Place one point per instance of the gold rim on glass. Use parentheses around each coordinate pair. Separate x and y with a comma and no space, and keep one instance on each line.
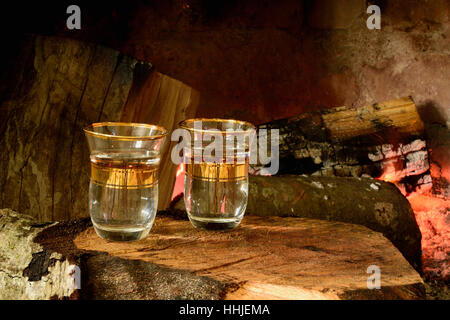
(183,124)
(88,130)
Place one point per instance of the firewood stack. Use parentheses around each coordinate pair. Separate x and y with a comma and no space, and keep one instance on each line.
(382,140)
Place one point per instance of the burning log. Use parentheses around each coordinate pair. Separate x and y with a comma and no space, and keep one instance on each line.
(265,258)
(375,204)
(383,140)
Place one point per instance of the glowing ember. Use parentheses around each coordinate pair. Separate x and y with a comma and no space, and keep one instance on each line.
(433,218)
(388,177)
(390,173)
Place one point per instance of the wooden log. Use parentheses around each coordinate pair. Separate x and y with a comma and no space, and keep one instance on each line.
(400,115)
(53,88)
(157,98)
(28,270)
(375,204)
(381,140)
(264,258)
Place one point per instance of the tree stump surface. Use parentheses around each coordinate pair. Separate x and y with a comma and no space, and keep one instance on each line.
(264,258)
(375,204)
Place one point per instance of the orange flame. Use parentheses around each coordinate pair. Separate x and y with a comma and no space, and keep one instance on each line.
(389,174)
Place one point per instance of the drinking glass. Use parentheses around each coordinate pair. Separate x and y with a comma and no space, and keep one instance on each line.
(123,190)
(216,181)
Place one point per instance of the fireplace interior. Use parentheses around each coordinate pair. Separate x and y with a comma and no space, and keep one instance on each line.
(363,114)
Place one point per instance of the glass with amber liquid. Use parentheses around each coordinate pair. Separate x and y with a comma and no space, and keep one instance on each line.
(123,191)
(216,181)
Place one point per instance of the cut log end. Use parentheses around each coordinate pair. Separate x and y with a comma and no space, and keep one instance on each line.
(264,258)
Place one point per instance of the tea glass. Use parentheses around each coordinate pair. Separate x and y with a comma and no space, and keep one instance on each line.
(216,179)
(123,189)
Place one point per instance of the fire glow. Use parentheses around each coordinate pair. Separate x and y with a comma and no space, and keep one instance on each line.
(433,218)
(389,174)
(179,181)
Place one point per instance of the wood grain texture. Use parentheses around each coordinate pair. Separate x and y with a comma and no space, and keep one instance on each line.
(401,114)
(56,87)
(160,99)
(270,258)
(377,205)
(65,85)
(264,258)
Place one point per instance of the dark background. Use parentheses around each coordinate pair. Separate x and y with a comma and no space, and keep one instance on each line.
(265,60)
